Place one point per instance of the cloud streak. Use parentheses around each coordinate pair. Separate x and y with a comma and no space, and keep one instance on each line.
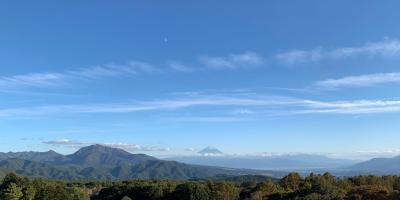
(178,66)
(49,79)
(125,146)
(388,48)
(274,105)
(33,79)
(232,61)
(377,153)
(360,81)
(352,107)
(166,104)
(385,48)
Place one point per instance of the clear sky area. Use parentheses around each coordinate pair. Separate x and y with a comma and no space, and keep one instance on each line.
(172,77)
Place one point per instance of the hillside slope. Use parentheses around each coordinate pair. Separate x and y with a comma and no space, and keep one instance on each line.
(379,165)
(101,162)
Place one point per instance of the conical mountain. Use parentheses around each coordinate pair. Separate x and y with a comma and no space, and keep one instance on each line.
(95,155)
(210,151)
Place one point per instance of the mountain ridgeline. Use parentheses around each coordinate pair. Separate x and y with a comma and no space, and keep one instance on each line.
(106,163)
(101,155)
(379,166)
(87,156)
(281,162)
(97,162)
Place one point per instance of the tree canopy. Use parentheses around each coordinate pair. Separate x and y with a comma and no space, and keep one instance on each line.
(293,186)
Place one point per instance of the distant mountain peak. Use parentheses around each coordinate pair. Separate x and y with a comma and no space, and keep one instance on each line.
(52,152)
(104,155)
(210,151)
(98,148)
(382,165)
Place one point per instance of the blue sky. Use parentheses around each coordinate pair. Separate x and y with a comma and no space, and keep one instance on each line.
(167,78)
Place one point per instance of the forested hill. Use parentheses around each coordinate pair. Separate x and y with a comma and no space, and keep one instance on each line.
(101,162)
(293,186)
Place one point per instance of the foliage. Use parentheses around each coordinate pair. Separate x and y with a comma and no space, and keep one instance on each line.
(224,191)
(292,186)
(11,192)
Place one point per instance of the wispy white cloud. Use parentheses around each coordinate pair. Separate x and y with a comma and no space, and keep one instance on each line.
(360,81)
(74,108)
(180,67)
(232,61)
(190,149)
(355,155)
(47,79)
(172,104)
(300,56)
(366,154)
(125,146)
(377,153)
(243,111)
(385,48)
(207,119)
(100,72)
(351,107)
(274,105)
(350,155)
(34,79)
(64,142)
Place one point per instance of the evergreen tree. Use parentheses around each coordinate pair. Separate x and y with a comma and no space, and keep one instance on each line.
(192,191)
(224,191)
(12,192)
(291,182)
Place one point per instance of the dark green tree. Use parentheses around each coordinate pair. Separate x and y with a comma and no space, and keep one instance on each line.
(224,191)
(192,191)
(11,192)
(291,182)
(265,189)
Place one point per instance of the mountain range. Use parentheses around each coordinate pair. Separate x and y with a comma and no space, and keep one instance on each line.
(106,163)
(279,162)
(101,162)
(303,163)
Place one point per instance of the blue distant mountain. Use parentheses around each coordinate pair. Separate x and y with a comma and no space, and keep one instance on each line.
(378,166)
(210,151)
(280,162)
